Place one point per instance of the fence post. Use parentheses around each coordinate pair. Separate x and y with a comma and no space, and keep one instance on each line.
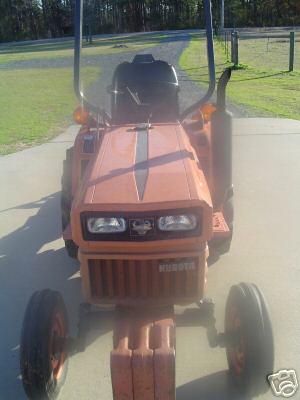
(292,51)
(227,39)
(235,48)
(232,46)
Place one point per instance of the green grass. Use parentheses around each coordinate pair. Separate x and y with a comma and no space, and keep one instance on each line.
(262,86)
(65,49)
(265,54)
(35,104)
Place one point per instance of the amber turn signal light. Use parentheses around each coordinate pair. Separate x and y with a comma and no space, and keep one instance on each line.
(207,110)
(81,115)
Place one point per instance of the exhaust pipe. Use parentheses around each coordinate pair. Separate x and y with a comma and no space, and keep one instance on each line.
(221,130)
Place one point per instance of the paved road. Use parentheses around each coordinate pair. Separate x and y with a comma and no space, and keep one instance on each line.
(265,250)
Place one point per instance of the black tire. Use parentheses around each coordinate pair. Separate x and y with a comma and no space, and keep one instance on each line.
(71,248)
(66,201)
(250,355)
(43,374)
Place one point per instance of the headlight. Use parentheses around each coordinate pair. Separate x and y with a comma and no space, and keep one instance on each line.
(106,225)
(177,223)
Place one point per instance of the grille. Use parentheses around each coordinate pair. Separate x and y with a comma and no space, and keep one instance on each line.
(142,279)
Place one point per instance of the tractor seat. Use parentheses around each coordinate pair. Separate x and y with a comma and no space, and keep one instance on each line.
(155,84)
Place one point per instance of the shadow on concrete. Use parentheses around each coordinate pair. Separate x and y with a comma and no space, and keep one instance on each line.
(32,257)
(216,386)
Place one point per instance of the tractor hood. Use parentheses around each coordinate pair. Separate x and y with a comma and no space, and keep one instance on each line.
(141,168)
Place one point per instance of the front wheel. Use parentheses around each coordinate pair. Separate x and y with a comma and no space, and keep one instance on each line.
(43,358)
(250,350)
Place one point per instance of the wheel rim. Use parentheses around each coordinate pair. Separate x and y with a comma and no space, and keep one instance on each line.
(57,340)
(236,350)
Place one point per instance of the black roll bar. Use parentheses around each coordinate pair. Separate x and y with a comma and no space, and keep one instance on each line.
(77,57)
(211,62)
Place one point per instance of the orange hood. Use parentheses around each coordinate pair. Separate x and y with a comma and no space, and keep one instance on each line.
(137,170)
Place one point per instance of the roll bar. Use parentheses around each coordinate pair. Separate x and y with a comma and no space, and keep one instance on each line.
(102,112)
(211,62)
(77,57)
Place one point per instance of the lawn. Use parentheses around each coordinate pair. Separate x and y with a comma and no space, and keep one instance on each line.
(65,49)
(268,53)
(263,86)
(36,103)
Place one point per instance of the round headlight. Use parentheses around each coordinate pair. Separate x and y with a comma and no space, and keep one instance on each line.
(177,223)
(106,225)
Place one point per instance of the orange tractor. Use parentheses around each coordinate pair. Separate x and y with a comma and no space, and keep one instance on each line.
(146,195)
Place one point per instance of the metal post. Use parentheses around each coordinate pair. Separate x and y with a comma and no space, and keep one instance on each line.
(211,63)
(292,51)
(232,46)
(89,21)
(222,16)
(236,48)
(227,44)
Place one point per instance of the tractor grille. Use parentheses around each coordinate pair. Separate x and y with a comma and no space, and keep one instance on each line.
(143,279)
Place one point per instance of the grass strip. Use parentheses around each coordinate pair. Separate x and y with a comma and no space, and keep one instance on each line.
(36,104)
(263,90)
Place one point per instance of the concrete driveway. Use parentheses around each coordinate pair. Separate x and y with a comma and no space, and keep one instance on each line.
(265,250)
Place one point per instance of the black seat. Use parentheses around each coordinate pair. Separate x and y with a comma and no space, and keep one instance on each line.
(145,88)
